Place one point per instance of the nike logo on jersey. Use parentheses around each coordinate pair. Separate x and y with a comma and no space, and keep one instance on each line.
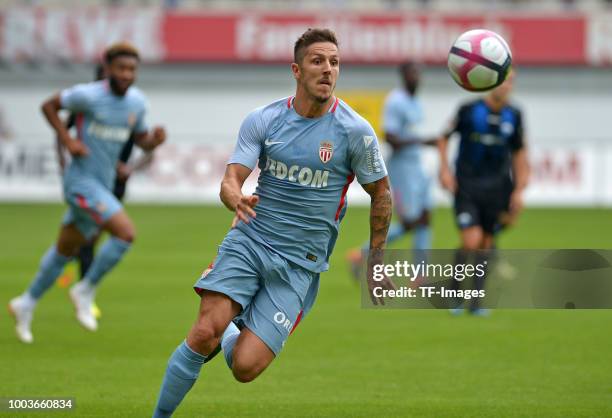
(270,142)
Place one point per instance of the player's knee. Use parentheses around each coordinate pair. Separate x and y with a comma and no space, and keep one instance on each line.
(245,371)
(243,376)
(246,365)
(488,242)
(121,226)
(127,234)
(67,249)
(407,225)
(425,218)
(204,337)
(471,244)
(130,237)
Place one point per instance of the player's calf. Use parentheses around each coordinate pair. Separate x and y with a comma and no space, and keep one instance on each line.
(51,266)
(216,313)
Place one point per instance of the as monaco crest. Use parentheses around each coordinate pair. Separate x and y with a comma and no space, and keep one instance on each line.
(326,150)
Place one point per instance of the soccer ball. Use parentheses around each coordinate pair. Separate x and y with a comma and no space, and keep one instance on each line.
(479,60)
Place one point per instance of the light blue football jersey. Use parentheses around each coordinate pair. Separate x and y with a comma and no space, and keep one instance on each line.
(306,166)
(401,116)
(104,122)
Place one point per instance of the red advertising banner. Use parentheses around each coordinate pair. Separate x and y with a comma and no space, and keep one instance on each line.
(34,34)
(372,39)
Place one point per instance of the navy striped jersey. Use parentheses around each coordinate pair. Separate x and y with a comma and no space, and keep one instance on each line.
(487,140)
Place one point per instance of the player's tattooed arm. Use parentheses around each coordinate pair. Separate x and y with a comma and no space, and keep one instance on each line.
(380,218)
(231,193)
(380,211)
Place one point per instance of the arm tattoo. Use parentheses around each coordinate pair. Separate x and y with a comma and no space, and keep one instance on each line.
(380,212)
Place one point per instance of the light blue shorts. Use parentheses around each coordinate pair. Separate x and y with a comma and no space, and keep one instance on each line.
(90,205)
(411,189)
(274,292)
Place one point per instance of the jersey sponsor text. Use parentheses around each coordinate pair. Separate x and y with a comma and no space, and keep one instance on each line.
(305,176)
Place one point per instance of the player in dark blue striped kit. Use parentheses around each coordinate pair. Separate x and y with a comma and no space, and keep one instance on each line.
(491,169)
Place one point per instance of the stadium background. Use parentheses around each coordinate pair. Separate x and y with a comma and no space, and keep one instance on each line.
(206,64)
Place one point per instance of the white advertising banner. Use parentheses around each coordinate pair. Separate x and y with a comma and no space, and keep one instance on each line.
(191,172)
(567,174)
(570,155)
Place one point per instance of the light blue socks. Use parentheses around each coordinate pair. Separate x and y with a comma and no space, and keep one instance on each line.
(183,370)
(51,266)
(109,255)
(421,243)
(396,231)
(228,341)
(422,237)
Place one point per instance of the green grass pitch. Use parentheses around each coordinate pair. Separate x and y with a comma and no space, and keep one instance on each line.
(342,361)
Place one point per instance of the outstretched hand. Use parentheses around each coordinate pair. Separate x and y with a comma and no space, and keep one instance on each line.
(77,148)
(376,257)
(244,208)
(448,181)
(158,136)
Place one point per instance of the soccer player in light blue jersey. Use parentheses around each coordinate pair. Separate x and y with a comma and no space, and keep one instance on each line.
(410,184)
(309,147)
(108,111)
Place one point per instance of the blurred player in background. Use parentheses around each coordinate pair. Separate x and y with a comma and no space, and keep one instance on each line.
(410,184)
(266,275)
(124,170)
(491,171)
(108,111)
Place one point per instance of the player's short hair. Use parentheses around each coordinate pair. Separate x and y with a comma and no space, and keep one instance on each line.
(407,65)
(311,36)
(120,49)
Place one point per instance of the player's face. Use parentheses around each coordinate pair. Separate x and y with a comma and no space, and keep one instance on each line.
(318,71)
(502,93)
(411,79)
(122,73)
